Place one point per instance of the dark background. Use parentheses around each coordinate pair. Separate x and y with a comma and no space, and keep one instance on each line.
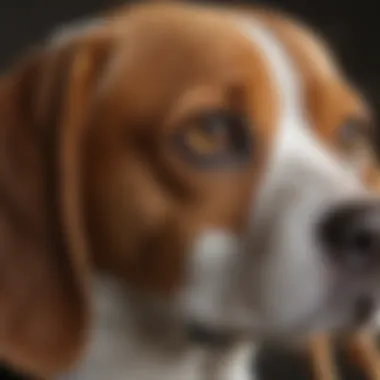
(351,27)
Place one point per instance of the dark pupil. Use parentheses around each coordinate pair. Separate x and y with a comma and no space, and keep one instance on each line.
(232,126)
(215,125)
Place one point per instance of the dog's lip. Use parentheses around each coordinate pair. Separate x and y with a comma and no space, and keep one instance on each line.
(206,335)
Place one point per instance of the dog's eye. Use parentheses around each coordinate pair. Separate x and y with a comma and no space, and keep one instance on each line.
(351,135)
(215,138)
(209,137)
(354,140)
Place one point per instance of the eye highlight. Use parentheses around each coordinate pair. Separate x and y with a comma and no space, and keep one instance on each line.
(215,138)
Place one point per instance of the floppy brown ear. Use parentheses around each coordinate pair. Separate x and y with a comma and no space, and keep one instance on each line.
(43,260)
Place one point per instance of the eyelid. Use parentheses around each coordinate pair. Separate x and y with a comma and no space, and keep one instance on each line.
(204,113)
(193,103)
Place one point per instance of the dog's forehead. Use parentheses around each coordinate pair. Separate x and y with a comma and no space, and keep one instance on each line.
(176,37)
(186,45)
(172,46)
(157,61)
(199,45)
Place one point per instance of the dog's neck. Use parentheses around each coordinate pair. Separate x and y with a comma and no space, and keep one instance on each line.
(132,338)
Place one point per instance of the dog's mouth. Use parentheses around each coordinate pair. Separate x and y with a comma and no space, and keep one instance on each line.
(362,312)
(211,337)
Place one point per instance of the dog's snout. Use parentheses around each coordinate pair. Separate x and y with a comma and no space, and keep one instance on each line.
(351,235)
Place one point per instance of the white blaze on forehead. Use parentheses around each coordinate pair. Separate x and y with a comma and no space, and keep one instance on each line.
(295,144)
(281,70)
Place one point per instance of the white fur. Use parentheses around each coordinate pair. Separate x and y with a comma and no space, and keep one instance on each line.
(303,181)
(118,350)
(277,279)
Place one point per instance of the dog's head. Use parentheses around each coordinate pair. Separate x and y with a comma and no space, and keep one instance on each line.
(212,157)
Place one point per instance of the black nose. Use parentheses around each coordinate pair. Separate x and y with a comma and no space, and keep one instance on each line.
(351,235)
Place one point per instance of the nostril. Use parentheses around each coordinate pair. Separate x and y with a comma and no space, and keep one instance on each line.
(362,240)
(351,234)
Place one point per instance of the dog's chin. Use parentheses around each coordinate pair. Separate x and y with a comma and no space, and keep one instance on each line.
(342,321)
(356,315)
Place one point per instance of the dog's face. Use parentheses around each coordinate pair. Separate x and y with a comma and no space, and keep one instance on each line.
(219,161)
(215,164)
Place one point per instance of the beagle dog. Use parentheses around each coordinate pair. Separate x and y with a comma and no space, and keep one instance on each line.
(177,182)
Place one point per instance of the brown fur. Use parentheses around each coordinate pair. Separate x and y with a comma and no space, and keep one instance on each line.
(41,294)
(88,179)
